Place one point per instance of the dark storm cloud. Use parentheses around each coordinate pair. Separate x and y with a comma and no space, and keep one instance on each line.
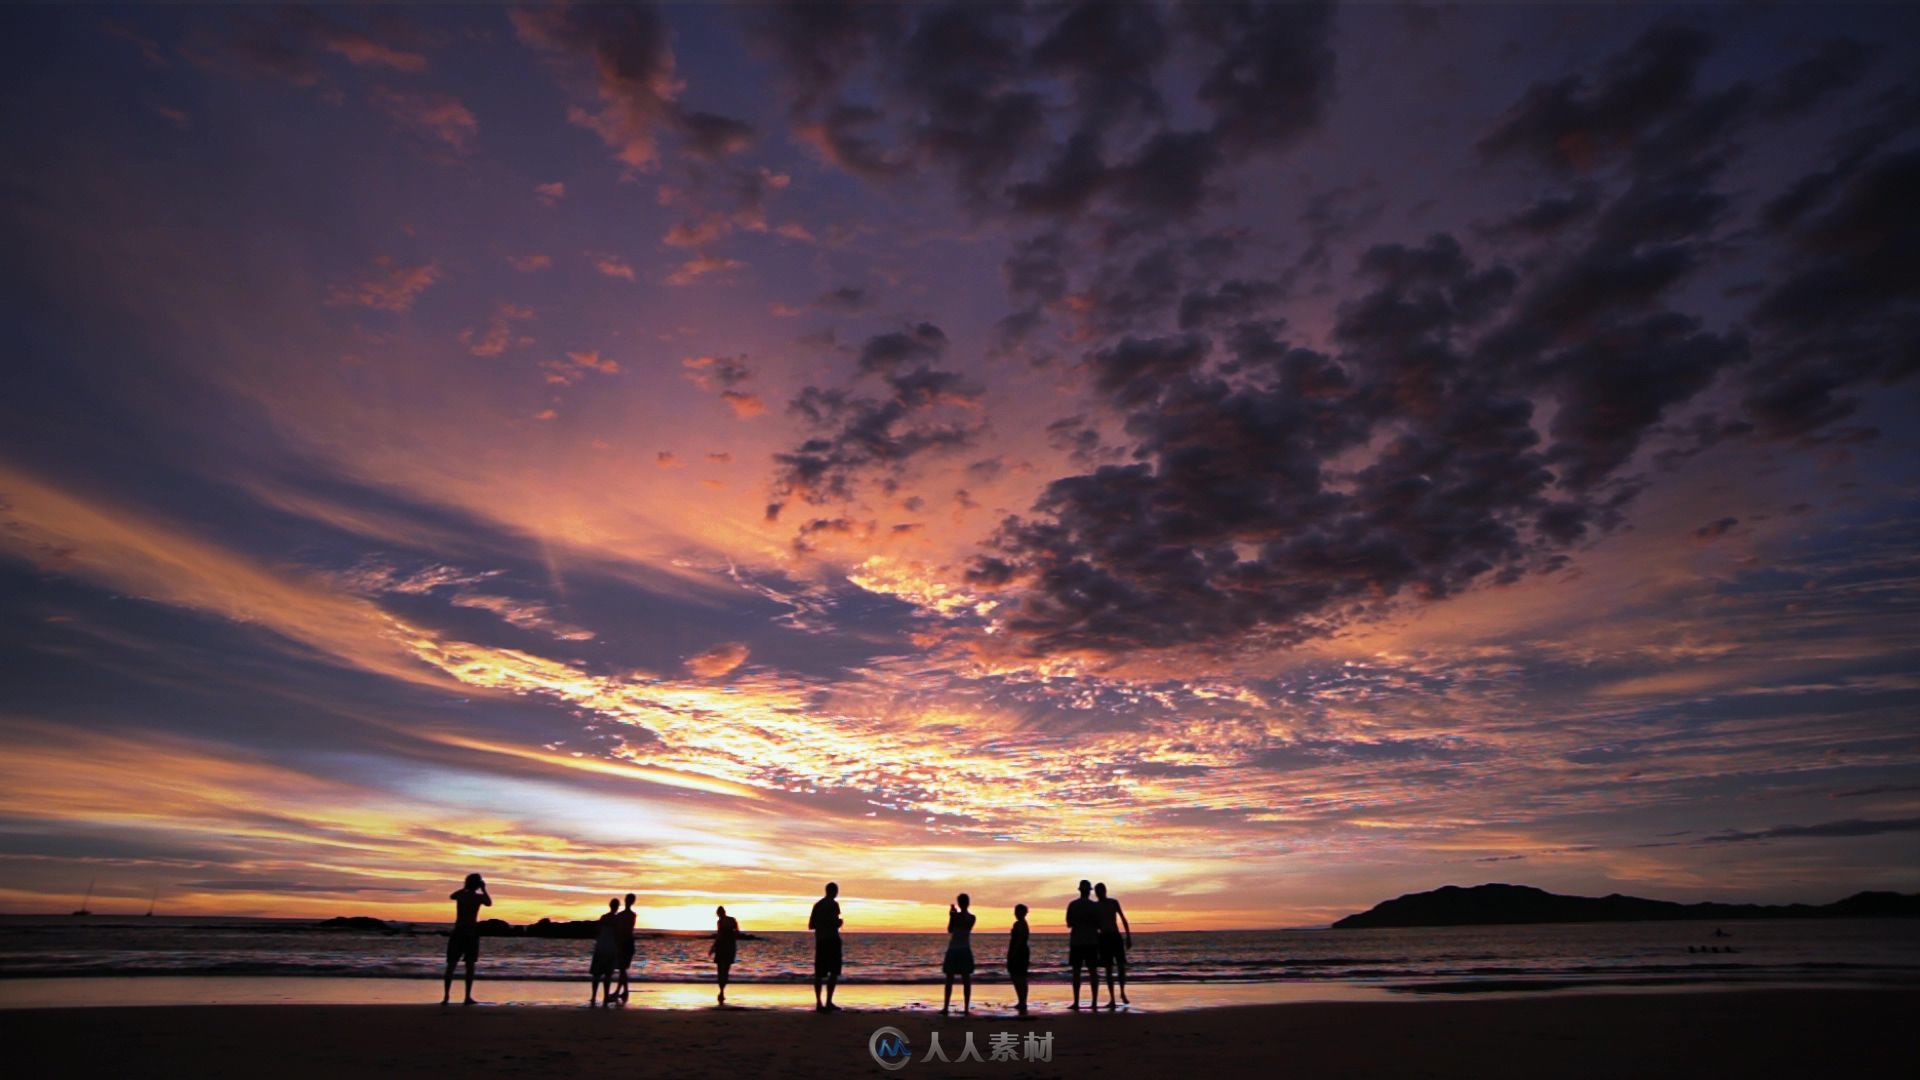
(1133,371)
(1073,437)
(868,437)
(1233,301)
(1575,122)
(967,90)
(1615,387)
(620,60)
(1233,523)
(1552,213)
(1471,419)
(1831,830)
(710,135)
(1110,54)
(819,45)
(1715,529)
(1838,65)
(918,344)
(965,66)
(1272,77)
(1846,312)
(1127,295)
(1036,275)
(847,299)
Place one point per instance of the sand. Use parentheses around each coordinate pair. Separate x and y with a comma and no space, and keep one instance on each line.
(1724,1033)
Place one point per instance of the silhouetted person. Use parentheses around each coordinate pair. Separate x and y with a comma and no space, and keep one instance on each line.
(1018,957)
(825,923)
(959,961)
(1083,942)
(1113,947)
(726,935)
(464,942)
(606,954)
(625,921)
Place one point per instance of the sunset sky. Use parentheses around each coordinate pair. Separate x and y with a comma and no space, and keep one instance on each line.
(1267,459)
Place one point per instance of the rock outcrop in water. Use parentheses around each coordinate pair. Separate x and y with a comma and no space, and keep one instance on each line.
(365,923)
(1493,905)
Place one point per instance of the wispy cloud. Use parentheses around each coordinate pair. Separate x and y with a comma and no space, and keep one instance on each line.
(387,286)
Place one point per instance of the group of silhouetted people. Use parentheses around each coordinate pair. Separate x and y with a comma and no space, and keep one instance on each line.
(1098,938)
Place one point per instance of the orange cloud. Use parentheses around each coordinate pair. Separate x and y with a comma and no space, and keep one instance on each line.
(139,555)
(744,406)
(387,287)
(613,266)
(700,266)
(497,335)
(360,50)
(593,361)
(623,58)
(720,660)
(439,118)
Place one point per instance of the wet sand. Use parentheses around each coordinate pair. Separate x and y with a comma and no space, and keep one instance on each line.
(1760,1032)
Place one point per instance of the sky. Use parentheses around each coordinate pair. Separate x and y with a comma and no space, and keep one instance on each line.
(1266,458)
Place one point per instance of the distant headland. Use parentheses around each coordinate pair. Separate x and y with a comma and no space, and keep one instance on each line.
(1494,905)
(565,929)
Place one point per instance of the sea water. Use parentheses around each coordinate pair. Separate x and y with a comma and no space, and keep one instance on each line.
(1202,967)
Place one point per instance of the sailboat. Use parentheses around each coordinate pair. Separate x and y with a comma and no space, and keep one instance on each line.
(152,900)
(83,904)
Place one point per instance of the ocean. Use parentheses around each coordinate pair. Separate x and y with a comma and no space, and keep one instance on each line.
(1443,960)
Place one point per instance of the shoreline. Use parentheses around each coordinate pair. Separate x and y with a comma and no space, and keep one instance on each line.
(1049,998)
(1747,1031)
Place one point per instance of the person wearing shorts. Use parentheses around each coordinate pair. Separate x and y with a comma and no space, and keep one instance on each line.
(463,943)
(825,922)
(1083,942)
(1113,946)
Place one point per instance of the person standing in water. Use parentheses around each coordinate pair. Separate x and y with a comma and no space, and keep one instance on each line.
(726,933)
(464,942)
(1018,956)
(825,922)
(606,955)
(959,961)
(1113,948)
(1083,942)
(624,922)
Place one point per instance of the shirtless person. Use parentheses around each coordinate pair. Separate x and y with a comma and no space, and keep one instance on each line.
(464,942)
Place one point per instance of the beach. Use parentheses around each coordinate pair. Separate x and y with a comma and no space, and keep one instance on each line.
(1715,1033)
